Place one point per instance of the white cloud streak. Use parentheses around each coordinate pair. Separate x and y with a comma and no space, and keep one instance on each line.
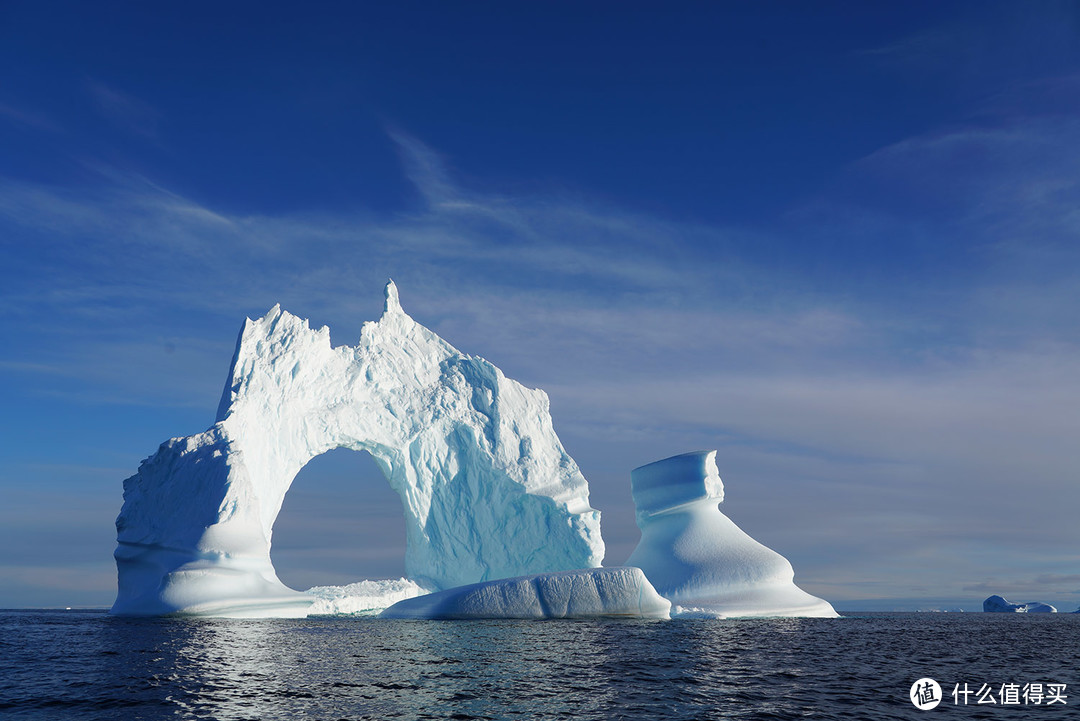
(28,118)
(903,417)
(123,109)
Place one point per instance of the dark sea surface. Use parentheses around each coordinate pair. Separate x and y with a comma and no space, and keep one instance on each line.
(89,665)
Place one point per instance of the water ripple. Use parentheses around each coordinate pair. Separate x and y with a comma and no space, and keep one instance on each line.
(93,666)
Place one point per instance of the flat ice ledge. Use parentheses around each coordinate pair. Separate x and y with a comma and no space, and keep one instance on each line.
(620,591)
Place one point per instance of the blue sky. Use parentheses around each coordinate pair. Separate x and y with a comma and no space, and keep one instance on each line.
(837,242)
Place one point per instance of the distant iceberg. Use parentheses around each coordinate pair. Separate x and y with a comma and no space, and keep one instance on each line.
(697,558)
(589,593)
(997,604)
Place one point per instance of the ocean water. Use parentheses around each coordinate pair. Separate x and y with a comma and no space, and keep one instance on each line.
(88,665)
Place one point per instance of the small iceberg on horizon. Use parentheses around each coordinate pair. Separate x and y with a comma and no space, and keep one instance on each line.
(997,604)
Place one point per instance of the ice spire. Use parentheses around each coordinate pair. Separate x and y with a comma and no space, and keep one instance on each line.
(392,304)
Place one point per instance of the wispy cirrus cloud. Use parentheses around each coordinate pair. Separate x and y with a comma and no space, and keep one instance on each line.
(974,55)
(123,109)
(1054,583)
(28,117)
(863,387)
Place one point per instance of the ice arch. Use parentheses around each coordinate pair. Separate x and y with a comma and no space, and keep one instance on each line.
(487,488)
(340,522)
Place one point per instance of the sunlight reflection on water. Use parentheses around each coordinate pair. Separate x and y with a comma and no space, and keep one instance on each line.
(93,666)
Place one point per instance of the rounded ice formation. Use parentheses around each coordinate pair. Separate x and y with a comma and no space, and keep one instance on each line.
(997,604)
(697,558)
(588,593)
(487,489)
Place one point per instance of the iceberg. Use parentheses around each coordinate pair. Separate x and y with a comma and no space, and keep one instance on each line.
(487,489)
(697,558)
(589,593)
(497,514)
(997,604)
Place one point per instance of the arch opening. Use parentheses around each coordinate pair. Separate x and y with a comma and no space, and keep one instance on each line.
(340,522)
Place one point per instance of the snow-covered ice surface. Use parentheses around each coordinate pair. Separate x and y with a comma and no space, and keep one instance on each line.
(697,558)
(487,488)
(588,593)
(997,604)
(363,598)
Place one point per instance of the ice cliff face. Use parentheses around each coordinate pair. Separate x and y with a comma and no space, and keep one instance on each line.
(697,558)
(487,489)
